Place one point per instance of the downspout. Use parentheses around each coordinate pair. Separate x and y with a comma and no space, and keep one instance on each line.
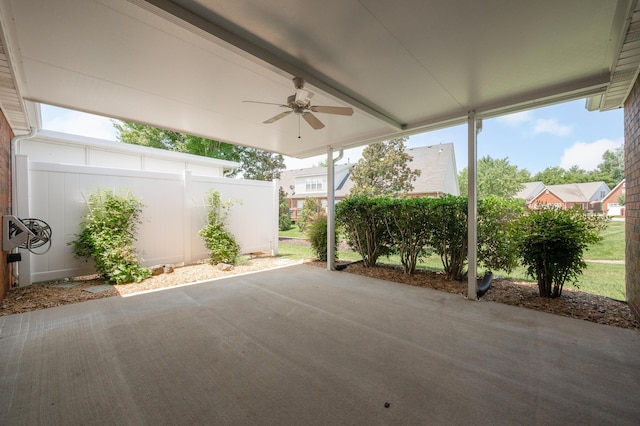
(331,204)
(14,189)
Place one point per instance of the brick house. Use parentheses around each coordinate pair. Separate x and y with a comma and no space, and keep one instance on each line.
(438,176)
(588,196)
(611,202)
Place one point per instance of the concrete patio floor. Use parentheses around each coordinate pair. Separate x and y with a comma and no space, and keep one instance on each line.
(305,346)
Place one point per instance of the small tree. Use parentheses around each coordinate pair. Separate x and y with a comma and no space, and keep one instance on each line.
(218,240)
(108,236)
(310,210)
(284,218)
(552,243)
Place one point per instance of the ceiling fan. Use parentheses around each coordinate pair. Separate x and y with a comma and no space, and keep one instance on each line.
(300,104)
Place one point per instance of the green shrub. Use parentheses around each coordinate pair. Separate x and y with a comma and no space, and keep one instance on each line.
(221,243)
(408,222)
(362,220)
(284,218)
(497,245)
(552,242)
(317,234)
(449,236)
(310,210)
(108,236)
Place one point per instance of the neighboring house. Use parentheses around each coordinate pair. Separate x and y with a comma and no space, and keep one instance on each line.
(587,196)
(529,192)
(438,171)
(438,176)
(312,182)
(611,202)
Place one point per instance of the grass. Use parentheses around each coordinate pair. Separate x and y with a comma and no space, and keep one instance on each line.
(612,245)
(603,279)
(293,232)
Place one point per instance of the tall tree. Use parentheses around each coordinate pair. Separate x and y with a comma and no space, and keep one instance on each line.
(261,165)
(551,176)
(384,170)
(254,163)
(496,177)
(611,170)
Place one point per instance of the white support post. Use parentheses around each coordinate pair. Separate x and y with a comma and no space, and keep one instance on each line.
(187,211)
(331,203)
(276,215)
(472,212)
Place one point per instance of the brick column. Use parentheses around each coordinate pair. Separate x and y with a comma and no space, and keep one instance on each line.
(5,196)
(632,198)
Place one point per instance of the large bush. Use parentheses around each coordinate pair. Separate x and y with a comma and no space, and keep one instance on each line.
(449,233)
(362,220)
(552,243)
(409,226)
(108,236)
(497,245)
(218,240)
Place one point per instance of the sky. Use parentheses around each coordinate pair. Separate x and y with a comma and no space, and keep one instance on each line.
(561,135)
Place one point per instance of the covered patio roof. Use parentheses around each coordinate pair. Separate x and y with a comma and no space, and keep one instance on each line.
(404,67)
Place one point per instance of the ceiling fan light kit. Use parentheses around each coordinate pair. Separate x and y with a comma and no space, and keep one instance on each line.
(300,104)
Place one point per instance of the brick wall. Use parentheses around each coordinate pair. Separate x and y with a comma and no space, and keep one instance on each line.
(632,202)
(5,195)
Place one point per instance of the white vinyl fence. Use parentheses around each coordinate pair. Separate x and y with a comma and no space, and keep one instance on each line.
(175,211)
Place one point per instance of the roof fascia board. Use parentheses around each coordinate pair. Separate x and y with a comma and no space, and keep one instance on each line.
(272,56)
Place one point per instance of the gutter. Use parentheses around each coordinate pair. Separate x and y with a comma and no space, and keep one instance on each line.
(14,189)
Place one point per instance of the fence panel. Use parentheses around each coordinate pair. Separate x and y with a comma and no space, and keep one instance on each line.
(174,213)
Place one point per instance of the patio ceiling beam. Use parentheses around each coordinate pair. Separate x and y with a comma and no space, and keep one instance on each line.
(267,53)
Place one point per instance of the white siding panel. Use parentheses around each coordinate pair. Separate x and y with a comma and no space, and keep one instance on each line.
(100,158)
(53,152)
(201,170)
(161,165)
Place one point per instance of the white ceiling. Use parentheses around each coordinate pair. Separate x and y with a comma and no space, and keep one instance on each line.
(404,66)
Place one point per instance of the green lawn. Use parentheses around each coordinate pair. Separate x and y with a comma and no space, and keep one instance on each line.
(293,232)
(612,245)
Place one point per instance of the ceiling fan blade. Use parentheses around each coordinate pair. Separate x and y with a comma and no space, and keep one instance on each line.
(312,120)
(277,117)
(333,110)
(264,103)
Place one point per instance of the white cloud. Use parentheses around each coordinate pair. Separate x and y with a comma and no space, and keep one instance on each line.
(77,123)
(587,156)
(551,126)
(516,118)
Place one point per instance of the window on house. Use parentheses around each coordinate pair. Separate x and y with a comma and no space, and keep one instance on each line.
(313,184)
(602,194)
